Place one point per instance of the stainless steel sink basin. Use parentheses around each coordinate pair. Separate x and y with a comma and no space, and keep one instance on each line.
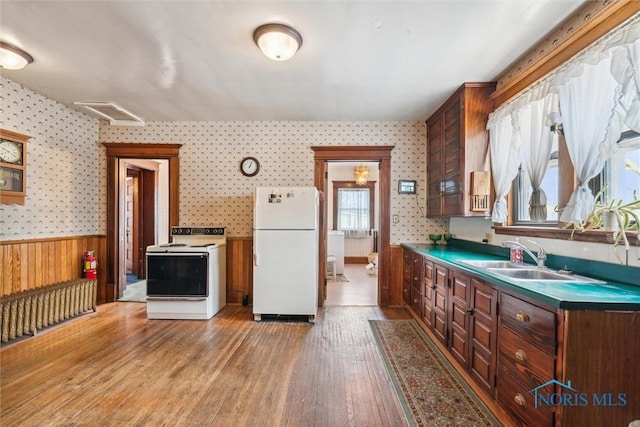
(494,264)
(540,275)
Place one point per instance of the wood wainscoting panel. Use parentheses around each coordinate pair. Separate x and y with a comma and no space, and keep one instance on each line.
(34,263)
(239,269)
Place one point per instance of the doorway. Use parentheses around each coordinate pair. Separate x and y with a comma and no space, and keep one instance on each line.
(352,222)
(157,169)
(382,155)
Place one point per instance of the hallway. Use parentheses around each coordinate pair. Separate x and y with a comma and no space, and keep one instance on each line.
(356,287)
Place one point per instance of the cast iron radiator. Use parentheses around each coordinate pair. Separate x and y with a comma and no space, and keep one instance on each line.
(24,313)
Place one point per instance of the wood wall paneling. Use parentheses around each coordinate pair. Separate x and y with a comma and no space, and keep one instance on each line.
(239,269)
(34,263)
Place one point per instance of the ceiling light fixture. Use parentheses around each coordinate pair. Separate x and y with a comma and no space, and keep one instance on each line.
(361,174)
(277,41)
(12,57)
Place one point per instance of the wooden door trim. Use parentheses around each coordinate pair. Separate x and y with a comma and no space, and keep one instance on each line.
(381,154)
(115,152)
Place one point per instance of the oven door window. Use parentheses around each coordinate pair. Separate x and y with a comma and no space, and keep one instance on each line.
(177,275)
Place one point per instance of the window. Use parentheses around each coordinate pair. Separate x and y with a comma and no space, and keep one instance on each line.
(618,178)
(353,205)
(522,193)
(618,175)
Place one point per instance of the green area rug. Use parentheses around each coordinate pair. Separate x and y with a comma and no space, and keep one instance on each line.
(431,392)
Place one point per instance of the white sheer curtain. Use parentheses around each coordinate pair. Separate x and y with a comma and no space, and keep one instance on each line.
(588,96)
(536,142)
(625,67)
(353,212)
(505,160)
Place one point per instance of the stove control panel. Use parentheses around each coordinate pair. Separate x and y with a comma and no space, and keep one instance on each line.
(197,231)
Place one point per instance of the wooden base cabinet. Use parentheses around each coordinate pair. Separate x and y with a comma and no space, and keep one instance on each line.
(527,353)
(461,311)
(483,334)
(458,314)
(543,366)
(412,280)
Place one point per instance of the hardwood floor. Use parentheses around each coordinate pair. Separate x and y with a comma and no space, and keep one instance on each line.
(361,288)
(116,367)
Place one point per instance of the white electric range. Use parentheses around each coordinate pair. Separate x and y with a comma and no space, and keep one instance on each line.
(186,279)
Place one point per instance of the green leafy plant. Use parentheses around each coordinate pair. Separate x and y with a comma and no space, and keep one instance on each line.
(626,216)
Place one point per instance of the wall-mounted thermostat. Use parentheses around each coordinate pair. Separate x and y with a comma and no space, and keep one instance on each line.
(406,187)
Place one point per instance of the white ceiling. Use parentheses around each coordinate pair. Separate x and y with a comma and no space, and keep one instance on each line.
(196,60)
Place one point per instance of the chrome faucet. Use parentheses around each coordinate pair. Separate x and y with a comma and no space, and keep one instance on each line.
(539,259)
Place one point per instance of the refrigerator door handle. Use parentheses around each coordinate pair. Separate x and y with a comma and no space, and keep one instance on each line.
(256,260)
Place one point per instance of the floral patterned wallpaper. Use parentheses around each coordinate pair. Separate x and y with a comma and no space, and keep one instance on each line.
(65,186)
(66,179)
(213,191)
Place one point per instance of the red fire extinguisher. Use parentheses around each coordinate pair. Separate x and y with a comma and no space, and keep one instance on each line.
(89,265)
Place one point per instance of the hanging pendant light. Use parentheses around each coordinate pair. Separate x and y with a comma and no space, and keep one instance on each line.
(361,174)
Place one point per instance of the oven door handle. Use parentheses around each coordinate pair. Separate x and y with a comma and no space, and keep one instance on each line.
(192,254)
(176,298)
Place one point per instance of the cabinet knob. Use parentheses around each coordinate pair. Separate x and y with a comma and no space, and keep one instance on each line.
(469,311)
(433,286)
(520,400)
(521,356)
(521,316)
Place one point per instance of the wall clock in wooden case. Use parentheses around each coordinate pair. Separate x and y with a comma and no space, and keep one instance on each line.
(13,167)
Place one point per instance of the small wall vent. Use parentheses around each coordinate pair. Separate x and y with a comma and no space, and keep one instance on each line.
(111,111)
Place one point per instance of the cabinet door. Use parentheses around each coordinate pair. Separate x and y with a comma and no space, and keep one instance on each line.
(458,305)
(441,278)
(483,330)
(434,165)
(451,172)
(428,291)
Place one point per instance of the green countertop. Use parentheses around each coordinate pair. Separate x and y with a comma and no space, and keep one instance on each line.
(567,295)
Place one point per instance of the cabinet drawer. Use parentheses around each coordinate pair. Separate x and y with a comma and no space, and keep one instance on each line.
(416,300)
(406,271)
(531,322)
(520,403)
(523,360)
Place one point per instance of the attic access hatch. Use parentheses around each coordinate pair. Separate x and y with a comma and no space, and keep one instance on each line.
(111,111)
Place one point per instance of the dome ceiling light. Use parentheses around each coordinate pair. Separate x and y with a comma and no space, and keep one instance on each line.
(277,41)
(12,57)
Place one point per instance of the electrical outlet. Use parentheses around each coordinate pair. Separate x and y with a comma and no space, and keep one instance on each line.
(395,218)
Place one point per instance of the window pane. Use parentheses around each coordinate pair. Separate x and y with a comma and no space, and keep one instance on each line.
(621,179)
(353,209)
(549,184)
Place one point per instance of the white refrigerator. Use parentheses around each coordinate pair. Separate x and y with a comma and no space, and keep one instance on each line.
(285,251)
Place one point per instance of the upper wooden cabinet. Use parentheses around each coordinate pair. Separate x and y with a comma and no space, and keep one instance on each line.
(458,144)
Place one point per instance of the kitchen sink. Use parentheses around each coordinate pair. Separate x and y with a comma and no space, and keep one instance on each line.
(494,264)
(540,275)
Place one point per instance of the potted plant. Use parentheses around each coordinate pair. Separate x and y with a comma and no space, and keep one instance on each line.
(614,215)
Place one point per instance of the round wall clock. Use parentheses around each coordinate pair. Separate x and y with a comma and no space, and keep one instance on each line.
(249,166)
(10,152)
